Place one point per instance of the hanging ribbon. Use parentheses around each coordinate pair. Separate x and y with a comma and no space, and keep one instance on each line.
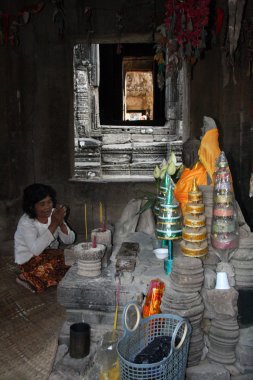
(6,27)
(219,14)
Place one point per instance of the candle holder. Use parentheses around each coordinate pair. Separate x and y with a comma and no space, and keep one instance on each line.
(105,238)
(89,259)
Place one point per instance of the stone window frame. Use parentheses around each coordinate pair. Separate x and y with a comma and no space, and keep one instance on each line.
(106,153)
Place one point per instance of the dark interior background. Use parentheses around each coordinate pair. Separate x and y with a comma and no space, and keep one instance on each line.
(36,106)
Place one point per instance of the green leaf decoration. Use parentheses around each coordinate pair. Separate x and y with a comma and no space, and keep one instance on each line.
(149,204)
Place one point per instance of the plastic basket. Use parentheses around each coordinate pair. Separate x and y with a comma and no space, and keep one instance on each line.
(145,330)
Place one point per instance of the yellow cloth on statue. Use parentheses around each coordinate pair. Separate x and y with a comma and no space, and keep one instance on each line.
(209,151)
(184,184)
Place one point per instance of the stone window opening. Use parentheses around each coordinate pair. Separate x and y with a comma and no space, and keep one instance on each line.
(134,63)
(119,137)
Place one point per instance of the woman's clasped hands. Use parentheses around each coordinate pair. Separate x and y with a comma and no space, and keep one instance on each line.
(58,215)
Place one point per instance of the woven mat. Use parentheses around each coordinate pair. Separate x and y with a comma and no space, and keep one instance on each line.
(30,325)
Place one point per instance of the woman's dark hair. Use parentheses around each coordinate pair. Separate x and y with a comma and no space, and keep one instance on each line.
(35,193)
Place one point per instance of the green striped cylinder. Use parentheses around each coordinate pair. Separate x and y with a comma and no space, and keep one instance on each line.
(159,200)
(169,222)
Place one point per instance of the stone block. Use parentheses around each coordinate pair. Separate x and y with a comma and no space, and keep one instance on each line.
(156,147)
(79,292)
(112,138)
(107,256)
(244,355)
(160,138)
(116,158)
(244,349)
(244,253)
(246,337)
(207,371)
(120,170)
(142,138)
(88,172)
(93,318)
(87,142)
(128,250)
(211,259)
(220,304)
(246,376)
(117,148)
(245,369)
(234,371)
(209,278)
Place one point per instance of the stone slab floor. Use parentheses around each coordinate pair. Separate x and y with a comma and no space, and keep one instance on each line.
(31,325)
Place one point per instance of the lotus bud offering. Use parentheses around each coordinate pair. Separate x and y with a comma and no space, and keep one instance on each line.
(225,228)
(156,172)
(171,166)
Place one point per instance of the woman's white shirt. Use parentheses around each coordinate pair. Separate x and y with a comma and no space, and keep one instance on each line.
(32,237)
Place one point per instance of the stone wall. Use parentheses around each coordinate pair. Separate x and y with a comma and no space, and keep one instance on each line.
(225,93)
(36,107)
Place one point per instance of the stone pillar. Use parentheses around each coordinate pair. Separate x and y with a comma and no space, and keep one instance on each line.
(182,297)
(223,329)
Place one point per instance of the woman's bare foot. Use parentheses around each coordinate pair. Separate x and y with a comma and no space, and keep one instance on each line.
(21,281)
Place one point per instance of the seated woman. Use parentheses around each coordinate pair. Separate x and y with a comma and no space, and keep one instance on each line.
(199,159)
(37,239)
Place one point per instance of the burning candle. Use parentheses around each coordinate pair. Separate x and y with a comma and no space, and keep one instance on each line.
(85,222)
(100,212)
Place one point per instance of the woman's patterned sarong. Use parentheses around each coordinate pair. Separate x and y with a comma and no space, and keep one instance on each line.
(45,270)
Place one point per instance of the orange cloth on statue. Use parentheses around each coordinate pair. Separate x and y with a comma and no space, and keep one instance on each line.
(184,184)
(209,151)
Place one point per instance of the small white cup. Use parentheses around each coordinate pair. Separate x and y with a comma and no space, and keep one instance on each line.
(222,281)
(161,253)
